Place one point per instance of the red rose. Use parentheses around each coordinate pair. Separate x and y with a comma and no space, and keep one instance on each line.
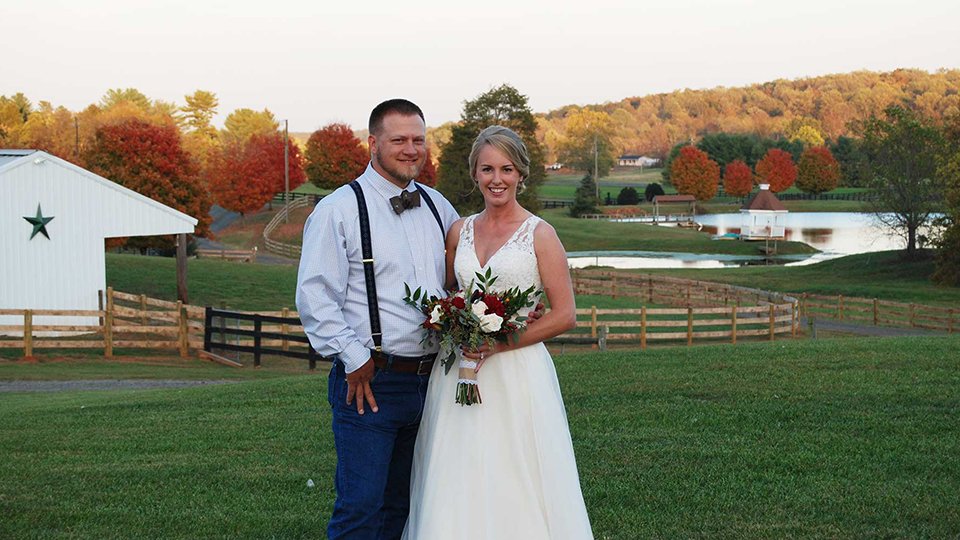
(494,305)
(459,303)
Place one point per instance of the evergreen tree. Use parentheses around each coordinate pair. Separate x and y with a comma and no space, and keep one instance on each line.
(585,200)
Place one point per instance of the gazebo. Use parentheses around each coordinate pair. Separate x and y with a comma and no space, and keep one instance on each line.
(54,217)
(764,217)
(689,201)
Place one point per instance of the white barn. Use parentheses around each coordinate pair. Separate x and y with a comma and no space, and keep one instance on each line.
(764,217)
(54,217)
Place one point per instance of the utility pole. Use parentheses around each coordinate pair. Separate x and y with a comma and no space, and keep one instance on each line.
(286,172)
(596,179)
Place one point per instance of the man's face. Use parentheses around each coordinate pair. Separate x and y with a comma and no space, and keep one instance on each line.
(399,150)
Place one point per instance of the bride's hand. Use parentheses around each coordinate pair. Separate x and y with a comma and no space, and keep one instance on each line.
(482,353)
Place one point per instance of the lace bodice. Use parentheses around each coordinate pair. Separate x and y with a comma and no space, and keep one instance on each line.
(514,264)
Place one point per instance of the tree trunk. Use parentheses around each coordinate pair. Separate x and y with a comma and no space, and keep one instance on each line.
(911,241)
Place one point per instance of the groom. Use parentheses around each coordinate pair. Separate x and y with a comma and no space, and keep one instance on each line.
(350,304)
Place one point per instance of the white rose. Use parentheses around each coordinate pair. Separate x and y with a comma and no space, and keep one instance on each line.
(490,323)
(435,314)
(479,308)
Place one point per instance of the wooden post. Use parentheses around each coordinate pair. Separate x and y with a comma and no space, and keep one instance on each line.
(772,316)
(100,306)
(257,326)
(27,333)
(208,328)
(643,328)
(613,282)
(593,324)
(876,317)
(108,326)
(794,318)
(283,330)
(182,339)
(689,325)
(840,305)
(182,268)
(733,324)
(913,315)
(602,339)
(650,288)
(143,309)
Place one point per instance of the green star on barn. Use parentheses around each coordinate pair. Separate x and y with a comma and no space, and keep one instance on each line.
(39,223)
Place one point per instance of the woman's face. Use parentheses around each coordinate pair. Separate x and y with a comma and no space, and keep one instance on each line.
(496,176)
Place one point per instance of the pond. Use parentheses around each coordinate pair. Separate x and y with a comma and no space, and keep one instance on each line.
(835,234)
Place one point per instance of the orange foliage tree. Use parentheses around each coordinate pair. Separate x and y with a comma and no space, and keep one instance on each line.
(737,179)
(694,173)
(148,159)
(817,170)
(777,169)
(246,175)
(335,156)
(428,174)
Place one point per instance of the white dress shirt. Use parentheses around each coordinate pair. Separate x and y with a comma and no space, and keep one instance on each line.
(331,291)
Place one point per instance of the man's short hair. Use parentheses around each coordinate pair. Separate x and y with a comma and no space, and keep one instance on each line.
(396,105)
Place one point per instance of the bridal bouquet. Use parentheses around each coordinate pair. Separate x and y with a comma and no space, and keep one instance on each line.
(471,318)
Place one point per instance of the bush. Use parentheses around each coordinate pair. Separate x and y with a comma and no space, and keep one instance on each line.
(652,191)
(628,196)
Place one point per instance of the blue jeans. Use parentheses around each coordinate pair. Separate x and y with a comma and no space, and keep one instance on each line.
(374,454)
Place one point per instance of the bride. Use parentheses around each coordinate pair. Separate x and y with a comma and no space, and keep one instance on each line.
(505,468)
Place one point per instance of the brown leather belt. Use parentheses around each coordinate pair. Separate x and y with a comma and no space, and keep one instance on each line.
(419,365)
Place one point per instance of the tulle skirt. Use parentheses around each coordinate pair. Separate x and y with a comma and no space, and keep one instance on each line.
(502,469)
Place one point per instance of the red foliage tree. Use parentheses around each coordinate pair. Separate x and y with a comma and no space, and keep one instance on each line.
(777,169)
(428,174)
(737,179)
(694,173)
(818,171)
(334,156)
(148,159)
(248,174)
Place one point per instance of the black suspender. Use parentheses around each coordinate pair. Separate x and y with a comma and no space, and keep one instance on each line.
(368,275)
(433,208)
(367,249)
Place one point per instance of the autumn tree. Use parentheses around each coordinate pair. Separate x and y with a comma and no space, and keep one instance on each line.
(246,175)
(777,169)
(335,156)
(903,148)
(948,244)
(242,124)
(148,159)
(428,174)
(817,171)
(737,179)
(588,142)
(504,106)
(694,173)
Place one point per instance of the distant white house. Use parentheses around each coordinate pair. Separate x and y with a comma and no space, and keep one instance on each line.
(764,217)
(630,160)
(54,217)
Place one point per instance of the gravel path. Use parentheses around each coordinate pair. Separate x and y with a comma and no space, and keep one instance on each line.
(101,384)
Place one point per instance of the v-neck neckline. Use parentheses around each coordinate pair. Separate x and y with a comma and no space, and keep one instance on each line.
(494,254)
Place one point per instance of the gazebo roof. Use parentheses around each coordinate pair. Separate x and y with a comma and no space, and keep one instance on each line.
(765,200)
(660,199)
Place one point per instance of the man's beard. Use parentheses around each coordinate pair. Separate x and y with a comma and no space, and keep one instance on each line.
(403,176)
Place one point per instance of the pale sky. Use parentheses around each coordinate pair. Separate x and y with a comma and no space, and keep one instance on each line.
(317,62)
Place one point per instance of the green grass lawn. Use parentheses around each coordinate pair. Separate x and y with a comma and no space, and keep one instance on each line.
(600,235)
(563,186)
(830,438)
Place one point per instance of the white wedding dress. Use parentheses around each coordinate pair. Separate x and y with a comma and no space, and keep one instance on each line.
(503,469)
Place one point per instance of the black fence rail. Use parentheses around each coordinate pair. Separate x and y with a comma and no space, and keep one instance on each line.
(217,325)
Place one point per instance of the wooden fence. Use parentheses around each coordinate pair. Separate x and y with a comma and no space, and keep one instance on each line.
(125,321)
(273,333)
(280,248)
(681,310)
(880,312)
(243,255)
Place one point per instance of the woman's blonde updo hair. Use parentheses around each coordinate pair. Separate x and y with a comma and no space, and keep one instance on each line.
(506,141)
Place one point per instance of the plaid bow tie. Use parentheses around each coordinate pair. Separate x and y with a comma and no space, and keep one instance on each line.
(406,199)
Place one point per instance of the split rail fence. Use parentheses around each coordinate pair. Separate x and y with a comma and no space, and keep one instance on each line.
(673,310)
(280,248)
(125,321)
(880,312)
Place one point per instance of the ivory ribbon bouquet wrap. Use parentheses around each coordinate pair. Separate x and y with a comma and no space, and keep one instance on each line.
(470,318)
